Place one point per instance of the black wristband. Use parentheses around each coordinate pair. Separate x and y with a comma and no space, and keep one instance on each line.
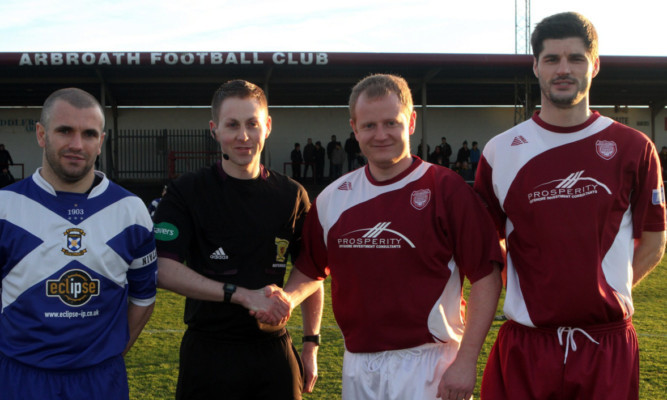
(229,289)
(311,338)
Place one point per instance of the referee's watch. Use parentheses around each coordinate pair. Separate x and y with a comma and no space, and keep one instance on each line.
(229,289)
(311,338)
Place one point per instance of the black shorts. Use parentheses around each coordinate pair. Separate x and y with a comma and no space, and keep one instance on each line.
(264,369)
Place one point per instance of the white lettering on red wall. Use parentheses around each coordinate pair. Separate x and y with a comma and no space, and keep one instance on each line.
(172,58)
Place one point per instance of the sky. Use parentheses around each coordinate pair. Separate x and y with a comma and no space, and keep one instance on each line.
(632,28)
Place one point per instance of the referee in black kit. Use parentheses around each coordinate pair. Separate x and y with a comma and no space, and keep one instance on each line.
(223,236)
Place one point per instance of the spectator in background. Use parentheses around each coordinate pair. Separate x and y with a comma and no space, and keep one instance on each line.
(420,152)
(463,154)
(155,202)
(352,150)
(361,160)
(5,158)
(309,159)
(319,161)
(437,157)
(475,154)
(297,160)
(466,172)
(6,178)
(663,160)
(446,151)
(331,146)
(337,158)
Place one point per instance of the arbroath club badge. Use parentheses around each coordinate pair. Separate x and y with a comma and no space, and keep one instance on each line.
(420,198)
(606,149)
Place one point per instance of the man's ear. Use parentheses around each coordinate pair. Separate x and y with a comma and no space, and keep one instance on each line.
(269,124)
(40,132)
(354,129)
(596,67)
(212,127)
(102,136)
(413,122)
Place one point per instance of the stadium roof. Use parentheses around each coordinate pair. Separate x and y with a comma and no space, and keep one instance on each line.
(292,78)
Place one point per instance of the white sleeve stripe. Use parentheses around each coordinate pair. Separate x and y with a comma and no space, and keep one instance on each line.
(144,260)
(141,302)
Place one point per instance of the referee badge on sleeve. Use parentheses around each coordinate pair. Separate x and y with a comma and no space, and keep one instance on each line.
(165,231)
(281,249)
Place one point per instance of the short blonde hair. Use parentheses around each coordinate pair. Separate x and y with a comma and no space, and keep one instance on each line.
(380,85)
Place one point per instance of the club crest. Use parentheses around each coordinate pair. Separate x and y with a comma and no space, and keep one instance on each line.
(420,198)
(281,249)
(74,242)
(606,149)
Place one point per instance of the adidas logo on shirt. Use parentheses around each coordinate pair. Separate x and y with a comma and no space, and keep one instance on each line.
(219,254)
(518,140)
(345,186)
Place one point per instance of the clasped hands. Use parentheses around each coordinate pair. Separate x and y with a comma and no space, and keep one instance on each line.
(270,306)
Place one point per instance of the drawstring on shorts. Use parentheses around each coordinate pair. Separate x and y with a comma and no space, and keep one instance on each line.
(378,359)
(569,338)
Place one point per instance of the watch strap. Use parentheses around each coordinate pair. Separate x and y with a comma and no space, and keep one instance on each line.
(229,289)
(311,338)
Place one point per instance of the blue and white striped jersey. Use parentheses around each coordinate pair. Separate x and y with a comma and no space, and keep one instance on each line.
(69,264)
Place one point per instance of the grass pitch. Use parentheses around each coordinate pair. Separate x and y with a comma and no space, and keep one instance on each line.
(152,363)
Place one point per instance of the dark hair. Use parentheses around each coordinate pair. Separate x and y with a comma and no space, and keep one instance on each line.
(562,26)
(236,88)
(379,85)
(75,97)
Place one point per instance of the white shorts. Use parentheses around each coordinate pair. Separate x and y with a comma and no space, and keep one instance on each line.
(405,374)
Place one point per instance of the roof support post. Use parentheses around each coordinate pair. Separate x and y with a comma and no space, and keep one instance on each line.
(424,140)
(103,103)
(266,153)
(655,109)
(523,100)
(111,155)
(112,151)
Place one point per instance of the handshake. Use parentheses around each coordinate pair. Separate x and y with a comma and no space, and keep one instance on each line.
(271,306)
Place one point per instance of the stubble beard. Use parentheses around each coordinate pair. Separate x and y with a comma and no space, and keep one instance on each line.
(565,101)
(69,176)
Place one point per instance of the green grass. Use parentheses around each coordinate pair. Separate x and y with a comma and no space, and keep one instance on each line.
(650,299)
(152,363)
